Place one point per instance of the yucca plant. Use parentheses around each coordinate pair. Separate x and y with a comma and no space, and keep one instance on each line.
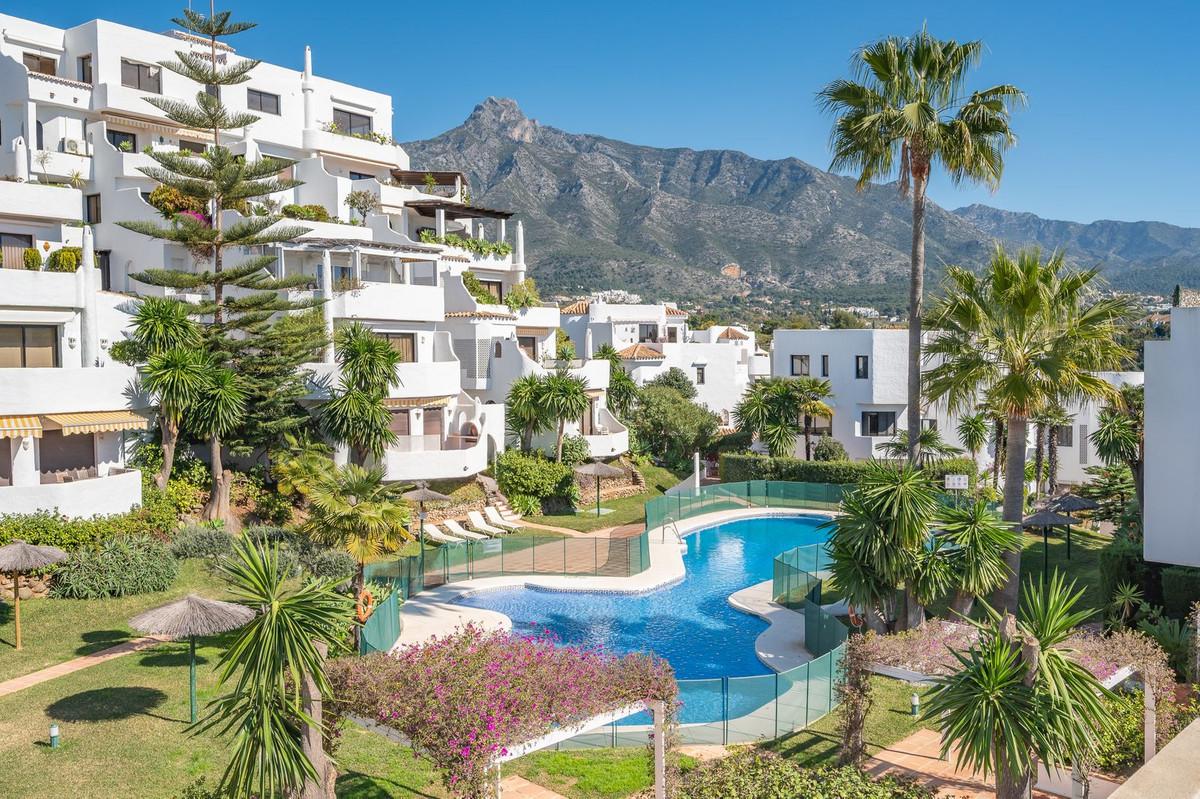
(978,541)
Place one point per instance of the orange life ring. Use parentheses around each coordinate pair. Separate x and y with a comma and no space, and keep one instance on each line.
(855,619)
(366,603)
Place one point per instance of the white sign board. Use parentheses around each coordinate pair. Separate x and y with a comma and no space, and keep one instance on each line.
(957,482)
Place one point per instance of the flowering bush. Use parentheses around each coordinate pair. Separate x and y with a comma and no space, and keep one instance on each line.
(465,698)
(925,649)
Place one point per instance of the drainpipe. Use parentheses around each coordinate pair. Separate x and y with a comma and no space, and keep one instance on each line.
(327,306)
(587,344)
(85,279)
(307,89)
(439,222)
(519,253)
(503,230)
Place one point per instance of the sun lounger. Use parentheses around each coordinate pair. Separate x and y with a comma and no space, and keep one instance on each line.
(494,517)
(457,529)
(477,523)
(434,534)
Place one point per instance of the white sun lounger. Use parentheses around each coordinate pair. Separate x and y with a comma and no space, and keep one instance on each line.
(457,529)
(494,517)
(434,534)
(477,523)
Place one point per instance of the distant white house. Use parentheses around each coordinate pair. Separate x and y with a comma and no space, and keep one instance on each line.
(721,361)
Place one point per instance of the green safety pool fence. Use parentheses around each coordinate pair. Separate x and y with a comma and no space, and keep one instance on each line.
(743,494)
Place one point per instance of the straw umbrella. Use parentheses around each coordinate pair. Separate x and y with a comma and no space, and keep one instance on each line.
(598,470)
(1046,519)
(189,618)
(1070,504)
(18,558)
(420,495)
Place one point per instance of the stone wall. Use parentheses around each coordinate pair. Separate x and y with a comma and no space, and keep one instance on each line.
(32,587)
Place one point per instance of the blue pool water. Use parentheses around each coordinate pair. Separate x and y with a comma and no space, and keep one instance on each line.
(690,623)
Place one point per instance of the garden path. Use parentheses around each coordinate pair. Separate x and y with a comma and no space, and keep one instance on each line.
(514,787)
(78,664)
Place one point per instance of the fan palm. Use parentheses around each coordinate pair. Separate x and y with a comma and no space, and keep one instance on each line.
(1024,335)
(218,409)
(769,410)
(351,508)
(978,539)
(1120,435)
(565,397)
(930,446)
(906,111)
(525,410)
(973,433)
(176,378)
(1057,417)
(274,672)
(1019,696)
(811,395)
(355,413)
(299,464)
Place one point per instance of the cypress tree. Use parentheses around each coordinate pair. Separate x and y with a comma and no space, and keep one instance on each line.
(249,331)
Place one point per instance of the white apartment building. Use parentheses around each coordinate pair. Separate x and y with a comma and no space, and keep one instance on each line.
(721,361)
(74,127)
(868,372)
(1172,459)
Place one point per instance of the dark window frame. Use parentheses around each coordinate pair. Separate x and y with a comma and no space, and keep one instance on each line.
(805,366)
(643,327)
(824,366)
(360,175)
(196,147)
(1065,435)
(700,375)
(862,367)
(42,62)
(115,137)
(874,428)
(495,288)
(353,123)
(93,216)
(55,335)
(398,337)
(146,77)
(86,72)
(255,101)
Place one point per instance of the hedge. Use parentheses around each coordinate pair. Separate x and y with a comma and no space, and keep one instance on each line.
(158,517)
(738,467)
(1180,588)
(1121,562)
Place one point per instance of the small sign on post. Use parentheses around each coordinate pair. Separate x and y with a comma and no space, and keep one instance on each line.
(958,482)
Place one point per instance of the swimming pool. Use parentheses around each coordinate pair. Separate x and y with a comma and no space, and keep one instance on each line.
(690,623)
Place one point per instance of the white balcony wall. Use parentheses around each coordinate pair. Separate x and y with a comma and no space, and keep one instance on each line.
(321,141)
(434,374)
(35,201)
(398,301)
(99,496)
(70,390)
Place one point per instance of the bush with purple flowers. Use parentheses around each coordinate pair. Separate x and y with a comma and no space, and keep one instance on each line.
(465,698)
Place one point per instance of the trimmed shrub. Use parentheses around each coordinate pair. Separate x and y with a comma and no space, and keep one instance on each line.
(534,476)
(158,517)
(576,450)
(64,259)
(32,259)
(309,213)
(525,504)
(266,534)
(755,774)
(736,467)
(829,448)
(201,541)
(1180,588)
(118,567)
(329,564)
(1120,746)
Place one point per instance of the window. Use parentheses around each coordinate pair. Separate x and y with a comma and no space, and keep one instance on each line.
(350,122)
(41,64)
(672,334)
(1083,449)
(400,423)
(861,367)
(824,366)
(191,146)
(800,365)
(1065,433)
(878,423)
(125,142)
(85,68)
(39,136)
(403,343)
(433,422)
(104,266)
(929,424)
(212,90)
(699,375)
(497,349)
(495,288)
(262,101)
(91,209)
(142,77)
(12,249)
(360,175)
(28,346)
(528,345)
(647,333)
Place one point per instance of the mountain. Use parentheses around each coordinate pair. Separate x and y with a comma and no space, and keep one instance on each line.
(709,226)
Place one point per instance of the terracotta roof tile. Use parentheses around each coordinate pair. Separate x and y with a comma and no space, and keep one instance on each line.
(578,307)
(640,352)
(479,315)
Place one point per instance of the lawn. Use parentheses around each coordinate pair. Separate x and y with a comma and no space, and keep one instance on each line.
(627,510)
(1084,565)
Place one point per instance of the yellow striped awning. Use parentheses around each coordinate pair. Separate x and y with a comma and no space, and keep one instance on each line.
(397,403)
(20,426)
(95,422)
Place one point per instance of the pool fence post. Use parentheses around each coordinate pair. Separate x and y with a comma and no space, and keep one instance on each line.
(659,710)
(776,735)
(807,692)
(724,711)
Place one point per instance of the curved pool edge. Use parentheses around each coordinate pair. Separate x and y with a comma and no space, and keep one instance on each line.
(437,612)
(780,647)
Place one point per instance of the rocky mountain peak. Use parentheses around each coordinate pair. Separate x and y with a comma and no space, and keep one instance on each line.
(502,116)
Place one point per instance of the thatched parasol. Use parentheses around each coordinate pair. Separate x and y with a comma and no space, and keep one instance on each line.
(1069,504)
(18,558)
(189,618)
(598,470)
(1046,519)
(420,495)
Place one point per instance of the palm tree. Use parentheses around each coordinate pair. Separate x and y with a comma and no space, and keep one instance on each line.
(218,409)
(1039,450)
(1120,436)
(355,413)
(930,446)
(769,410)
(176,377)
(1019,696)
(300,463)
(274,673)
(161,324)
(973,433)
(908,110)
(1024,335)
(622,390)
(525,411)
(565,397)
(978,539)
(1056,418)
(351,508)
(811,394)
(877,541)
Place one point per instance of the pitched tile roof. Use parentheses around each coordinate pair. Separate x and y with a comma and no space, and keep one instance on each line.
(578,307)
(676,312)
(479,315)
(732,334)
(640,352)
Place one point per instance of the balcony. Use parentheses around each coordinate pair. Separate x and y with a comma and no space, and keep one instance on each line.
(544,315)
(117,492)
(429,458)
(25,288)
(323,141)
(38,201)
(56,90)
(52,166)
(608,437)
(398,301)
(68,390)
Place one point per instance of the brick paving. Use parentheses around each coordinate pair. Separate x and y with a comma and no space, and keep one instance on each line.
(514,787)
(78,664)
(918,756)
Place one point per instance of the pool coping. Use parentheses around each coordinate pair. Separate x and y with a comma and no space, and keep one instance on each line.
(436,612)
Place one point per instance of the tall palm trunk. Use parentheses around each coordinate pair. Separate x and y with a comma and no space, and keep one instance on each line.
(1012,784)
(916,289)
(527,438)
(217,508)
(312,737)
(807,437)
(1052,462)
(1005,599)
(170,436)
(1039,445)
(997,451)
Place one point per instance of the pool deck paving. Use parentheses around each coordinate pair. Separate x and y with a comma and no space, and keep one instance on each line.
(781,646)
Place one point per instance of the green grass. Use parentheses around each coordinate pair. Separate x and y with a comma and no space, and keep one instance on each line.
(627,510)
(1083,567)
(55,630)
(888,722)
(591,774)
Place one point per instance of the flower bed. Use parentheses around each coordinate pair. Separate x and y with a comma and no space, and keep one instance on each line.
(465,698)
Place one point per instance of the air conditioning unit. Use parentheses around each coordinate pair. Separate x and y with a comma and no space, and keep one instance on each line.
(73,146)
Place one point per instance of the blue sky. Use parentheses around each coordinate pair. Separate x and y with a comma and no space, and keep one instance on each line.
(1110,131)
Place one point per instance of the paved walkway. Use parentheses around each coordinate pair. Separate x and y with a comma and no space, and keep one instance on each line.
(78,664)
(781,645)
(514,787)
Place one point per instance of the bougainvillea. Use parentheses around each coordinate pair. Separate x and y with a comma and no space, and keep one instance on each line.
(465,698)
